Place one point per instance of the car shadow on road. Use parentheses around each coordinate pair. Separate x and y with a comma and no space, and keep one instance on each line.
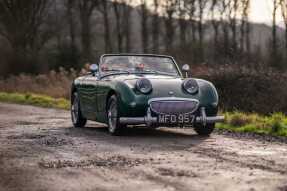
(145,132)
(163,138)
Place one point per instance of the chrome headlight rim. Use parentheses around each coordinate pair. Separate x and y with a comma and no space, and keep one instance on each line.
(144,86)
(190,86)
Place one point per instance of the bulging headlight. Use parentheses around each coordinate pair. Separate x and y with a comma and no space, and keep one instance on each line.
(190,86)
(144,86)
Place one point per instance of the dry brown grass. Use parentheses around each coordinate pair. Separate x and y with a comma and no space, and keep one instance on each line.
(55,84)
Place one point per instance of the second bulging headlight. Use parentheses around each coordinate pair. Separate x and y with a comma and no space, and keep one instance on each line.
(190,86)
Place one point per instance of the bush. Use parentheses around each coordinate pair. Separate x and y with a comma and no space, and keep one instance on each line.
(249,90)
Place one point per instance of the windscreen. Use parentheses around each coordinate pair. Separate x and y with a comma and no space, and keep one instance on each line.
(139,64)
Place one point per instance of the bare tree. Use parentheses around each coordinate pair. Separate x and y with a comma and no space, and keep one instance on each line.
(245,26)
(86,9)
(118,4)
(127,24)
(191,8)
(202,5)
(104,9)
(276,4)
(169,8)
(27,16)
(233,11)
(122,12)
(283,4)
(182,19)
(224,9)
(70,5)
(21,24)
(144,25)
(214,21)
(155,27)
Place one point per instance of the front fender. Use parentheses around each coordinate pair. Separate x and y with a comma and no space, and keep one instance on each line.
(130,103)
(208,97)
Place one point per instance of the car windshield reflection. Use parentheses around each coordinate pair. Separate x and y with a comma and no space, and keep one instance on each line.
(138,64)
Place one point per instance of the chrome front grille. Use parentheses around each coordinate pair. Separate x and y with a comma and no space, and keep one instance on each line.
(173,106)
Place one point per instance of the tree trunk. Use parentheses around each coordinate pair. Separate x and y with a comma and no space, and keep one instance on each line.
(86,8)
(155,29)
(234,27)
(247,39)
(86,37)
(274,29)
(183,26)
(128,29)
(201,29)
(192,20)
(116,6)
(70,16)
(108,43)
(215,25)
(169,33)
(244,28)
(144,30)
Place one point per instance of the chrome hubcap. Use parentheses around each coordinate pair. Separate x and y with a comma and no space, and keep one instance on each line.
(75,110)
(112,117)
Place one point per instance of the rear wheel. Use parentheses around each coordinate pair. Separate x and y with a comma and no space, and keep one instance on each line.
(114,126)
(77,117)
(204,130)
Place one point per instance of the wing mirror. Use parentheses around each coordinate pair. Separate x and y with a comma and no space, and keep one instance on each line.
(186,69)
(94,69)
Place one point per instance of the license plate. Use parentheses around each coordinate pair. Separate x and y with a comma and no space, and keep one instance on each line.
(176,119)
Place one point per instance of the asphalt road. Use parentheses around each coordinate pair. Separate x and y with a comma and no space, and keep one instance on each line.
(40,150)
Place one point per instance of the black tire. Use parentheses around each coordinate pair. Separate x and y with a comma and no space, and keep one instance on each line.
(76,114)
(204,130)
(114,125)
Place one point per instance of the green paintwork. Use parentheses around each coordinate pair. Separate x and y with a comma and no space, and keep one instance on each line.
(94,93)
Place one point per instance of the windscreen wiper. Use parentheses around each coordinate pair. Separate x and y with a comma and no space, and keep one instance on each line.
(158,72)
(120,71)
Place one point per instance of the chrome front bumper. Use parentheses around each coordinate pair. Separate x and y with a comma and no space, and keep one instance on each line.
(149,120)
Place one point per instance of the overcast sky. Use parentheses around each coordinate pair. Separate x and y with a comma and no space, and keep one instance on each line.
(261,11)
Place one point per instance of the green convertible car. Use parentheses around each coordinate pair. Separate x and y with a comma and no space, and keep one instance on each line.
(143,89)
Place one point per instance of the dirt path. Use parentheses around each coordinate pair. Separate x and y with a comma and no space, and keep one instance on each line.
(39,150)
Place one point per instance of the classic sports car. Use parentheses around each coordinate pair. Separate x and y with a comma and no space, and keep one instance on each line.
(141,89)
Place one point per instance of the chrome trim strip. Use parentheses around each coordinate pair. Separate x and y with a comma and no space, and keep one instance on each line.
(171,99)
(216,119)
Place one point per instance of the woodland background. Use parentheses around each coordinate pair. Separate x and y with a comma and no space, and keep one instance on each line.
(44,44)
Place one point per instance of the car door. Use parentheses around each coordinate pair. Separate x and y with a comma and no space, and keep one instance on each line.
(103,88)
(90,92)
(83,94)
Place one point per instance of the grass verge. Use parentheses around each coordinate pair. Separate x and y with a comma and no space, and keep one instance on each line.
(275,124)
(35,99)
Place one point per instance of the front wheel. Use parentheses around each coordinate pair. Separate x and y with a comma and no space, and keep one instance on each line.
(204,130)
(114,126)
(77,117)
